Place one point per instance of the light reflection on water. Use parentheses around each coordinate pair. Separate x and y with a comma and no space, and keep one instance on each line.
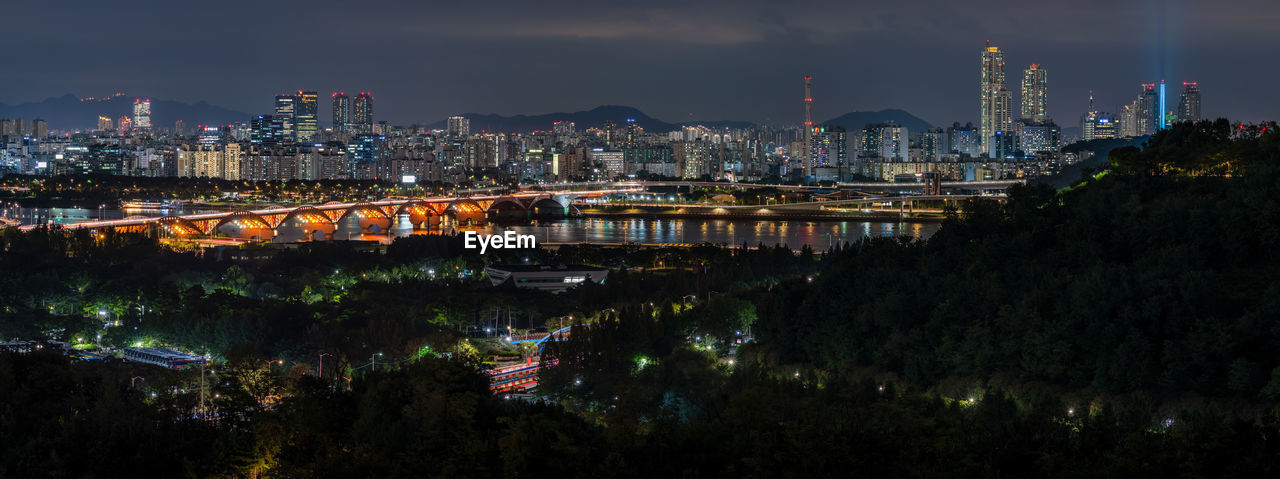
(817,234)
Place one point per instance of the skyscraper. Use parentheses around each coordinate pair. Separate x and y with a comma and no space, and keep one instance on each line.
(995,111)
(458,126)
(1148,109)
(142,113)
(341,112)
(307,123)
(1034,98)
(362,113)
(287,115)
(1189,102)
(807,161)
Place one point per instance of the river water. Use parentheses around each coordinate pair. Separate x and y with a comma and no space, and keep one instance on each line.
(817,234)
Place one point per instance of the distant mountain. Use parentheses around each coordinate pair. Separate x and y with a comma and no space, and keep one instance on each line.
(593,118)
(857,120)
(68,112)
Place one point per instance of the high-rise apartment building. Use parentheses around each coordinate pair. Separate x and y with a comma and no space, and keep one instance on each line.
(362,113)
(105,123)
(341,112)
(964,140)
(287,114)
(995,109)
(39,128)
(142,113)
(1189,102)
(458,126)
(1034,94)
(307,120)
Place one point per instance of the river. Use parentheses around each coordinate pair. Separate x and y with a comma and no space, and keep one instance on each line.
(817,234)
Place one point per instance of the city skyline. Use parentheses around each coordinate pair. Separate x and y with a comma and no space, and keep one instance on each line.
(431,68)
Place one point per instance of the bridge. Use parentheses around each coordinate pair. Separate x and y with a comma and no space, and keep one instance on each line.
(321,221)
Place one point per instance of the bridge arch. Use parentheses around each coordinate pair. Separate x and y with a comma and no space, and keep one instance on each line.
(508,207)
(421,213)
(466,212)
(548,206)
(178,226)
(368,216)
(249,226)
(314,222)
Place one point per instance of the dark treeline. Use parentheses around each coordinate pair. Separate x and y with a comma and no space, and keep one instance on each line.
(1160,276)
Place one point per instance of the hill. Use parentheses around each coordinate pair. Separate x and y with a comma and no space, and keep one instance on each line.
(857,120)
(69,112)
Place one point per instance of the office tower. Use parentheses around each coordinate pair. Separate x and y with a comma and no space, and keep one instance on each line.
(995,110)
(287,115)
(307,120)
(341,112)
(458,126)
(266,130)
(807,160)
(1034,96)
(124,124)
(142,113)
(964,140)
(1189,102)
(209,135)
(105,123)
(1148,109)
(1163,114)
(39,128)
(362,113)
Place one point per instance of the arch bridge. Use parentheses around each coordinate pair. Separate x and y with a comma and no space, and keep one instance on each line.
(373,217)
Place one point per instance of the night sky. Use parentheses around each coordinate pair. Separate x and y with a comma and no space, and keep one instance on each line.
(740,60)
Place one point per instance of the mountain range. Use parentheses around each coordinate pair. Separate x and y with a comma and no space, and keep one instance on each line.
(620,115)
(69,112)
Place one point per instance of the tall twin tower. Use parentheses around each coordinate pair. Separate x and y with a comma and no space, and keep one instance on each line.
(997,102)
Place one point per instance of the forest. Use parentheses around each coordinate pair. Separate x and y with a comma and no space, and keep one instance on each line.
(1123,326)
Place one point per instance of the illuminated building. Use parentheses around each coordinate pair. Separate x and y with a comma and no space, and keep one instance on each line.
(964,140)
(307,121)
(142,113)
(1148,109)
(458,126)
(362,113)
(1189,102)
(341,112)
(266,130)
(287,115)
(105,123)
(830,152)
(1038,136)
(39,128)
(1034,93)
(996,114)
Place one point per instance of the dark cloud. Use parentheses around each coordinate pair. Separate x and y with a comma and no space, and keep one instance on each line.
(708,60)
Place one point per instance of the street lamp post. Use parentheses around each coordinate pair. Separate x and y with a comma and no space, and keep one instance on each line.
(321,372)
